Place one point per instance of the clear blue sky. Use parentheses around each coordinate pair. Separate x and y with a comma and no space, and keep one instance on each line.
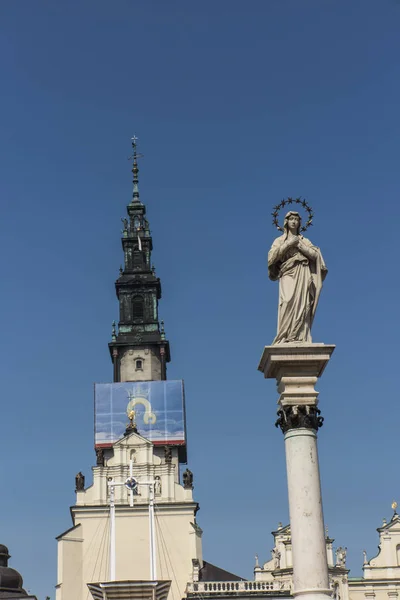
(237,105)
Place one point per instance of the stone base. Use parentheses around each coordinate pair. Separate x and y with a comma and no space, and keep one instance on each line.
(313,595)
(296,368)
(294,359)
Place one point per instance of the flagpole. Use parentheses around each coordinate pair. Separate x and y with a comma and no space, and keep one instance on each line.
(153,565)
(131,484)
(112,530)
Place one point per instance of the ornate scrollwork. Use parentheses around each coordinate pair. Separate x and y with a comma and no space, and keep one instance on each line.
(294,417)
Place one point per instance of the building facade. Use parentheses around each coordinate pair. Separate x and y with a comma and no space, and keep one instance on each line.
(381,574)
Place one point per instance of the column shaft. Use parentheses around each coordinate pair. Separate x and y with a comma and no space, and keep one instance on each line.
(310,571)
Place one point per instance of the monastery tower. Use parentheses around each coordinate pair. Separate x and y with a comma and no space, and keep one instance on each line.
(140,437)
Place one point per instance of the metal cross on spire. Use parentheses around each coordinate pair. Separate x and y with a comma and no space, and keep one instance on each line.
(135,170)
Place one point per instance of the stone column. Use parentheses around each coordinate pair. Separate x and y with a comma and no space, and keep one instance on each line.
(296,368)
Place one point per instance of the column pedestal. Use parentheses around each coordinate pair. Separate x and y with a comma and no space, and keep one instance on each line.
(296,368)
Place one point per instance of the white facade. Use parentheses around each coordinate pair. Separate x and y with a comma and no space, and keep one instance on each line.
(381,574)
(381,577)
(84,550)
(279,568)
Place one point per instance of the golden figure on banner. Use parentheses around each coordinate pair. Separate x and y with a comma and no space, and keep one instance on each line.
(138,397)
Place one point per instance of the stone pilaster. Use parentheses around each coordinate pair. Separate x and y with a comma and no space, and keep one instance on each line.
(296,368)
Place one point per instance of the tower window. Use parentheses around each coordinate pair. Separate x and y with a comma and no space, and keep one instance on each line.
(139,364)
(137,259)
(137,307)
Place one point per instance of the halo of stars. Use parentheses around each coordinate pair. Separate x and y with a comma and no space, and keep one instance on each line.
(284,203)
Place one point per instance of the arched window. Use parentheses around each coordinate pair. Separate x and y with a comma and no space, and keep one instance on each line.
(137,307)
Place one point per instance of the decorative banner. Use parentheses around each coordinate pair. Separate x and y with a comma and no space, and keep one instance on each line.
(158,408)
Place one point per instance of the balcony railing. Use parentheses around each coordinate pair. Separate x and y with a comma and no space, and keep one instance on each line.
(251,587)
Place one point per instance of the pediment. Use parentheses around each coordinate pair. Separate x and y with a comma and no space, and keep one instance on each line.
(391,527)
(132,440)
(282,531)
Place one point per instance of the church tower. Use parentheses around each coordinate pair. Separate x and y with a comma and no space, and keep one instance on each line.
(134,532)
(139,351)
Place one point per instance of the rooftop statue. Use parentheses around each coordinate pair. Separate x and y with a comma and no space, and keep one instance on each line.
(300,269)
(187,478)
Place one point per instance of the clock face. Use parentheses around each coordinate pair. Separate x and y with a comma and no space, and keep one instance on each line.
(131,484)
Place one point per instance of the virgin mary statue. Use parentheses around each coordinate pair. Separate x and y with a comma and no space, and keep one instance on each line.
(300,269)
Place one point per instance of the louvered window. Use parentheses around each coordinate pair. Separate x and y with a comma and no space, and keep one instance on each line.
(137,259)
(138,307)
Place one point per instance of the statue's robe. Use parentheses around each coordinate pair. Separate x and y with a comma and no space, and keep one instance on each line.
(300,284)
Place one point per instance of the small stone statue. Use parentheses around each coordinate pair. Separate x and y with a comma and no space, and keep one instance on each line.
(365,561)
(167,454)
(157,485)
(125,224)
(100,457)
(336,593)
(256,559)
(341,557)
(79,482)
(187,478)
(300,269)
(276,555)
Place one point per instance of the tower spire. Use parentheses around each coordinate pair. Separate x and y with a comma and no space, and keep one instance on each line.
(135,172)
(139,348)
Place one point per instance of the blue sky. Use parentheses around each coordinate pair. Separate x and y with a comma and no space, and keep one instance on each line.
(237,105)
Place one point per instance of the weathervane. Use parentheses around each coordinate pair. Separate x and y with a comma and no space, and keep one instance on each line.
(135,170)
(284,203)
(135,154)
